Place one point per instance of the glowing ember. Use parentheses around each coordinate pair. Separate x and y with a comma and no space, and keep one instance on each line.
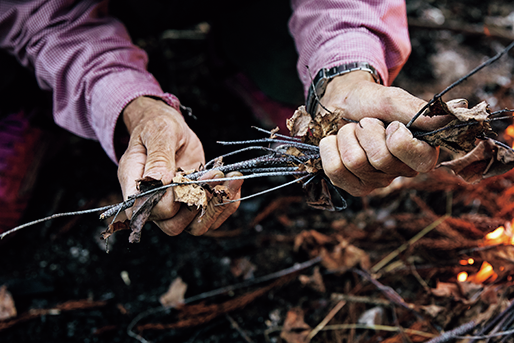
(509,131)
(471,261)
(486,271)
(462,276)
(495,234)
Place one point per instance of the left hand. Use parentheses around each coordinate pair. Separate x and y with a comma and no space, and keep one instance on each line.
(370,154)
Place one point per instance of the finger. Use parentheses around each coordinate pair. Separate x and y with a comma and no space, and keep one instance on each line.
(418,155)
(130,169)
(371,135)
(179,222)
(355,160)
(335,169)
(215,214)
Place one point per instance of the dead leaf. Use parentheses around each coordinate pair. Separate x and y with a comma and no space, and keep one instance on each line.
(295,330)
(298,124)
(458,136)
(242,267)
(117,226)
(489,158)
(192,195)
(310,239)
(315,281)
(7,308)
(344,256)
(318,196)
(174,297)
(143,207)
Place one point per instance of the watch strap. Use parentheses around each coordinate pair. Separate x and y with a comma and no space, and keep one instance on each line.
(325,75)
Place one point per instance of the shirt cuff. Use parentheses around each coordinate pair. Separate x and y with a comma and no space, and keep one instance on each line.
(355,45)
(112,94)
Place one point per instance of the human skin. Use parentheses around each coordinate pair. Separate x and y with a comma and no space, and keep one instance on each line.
(378,148)
(160,141)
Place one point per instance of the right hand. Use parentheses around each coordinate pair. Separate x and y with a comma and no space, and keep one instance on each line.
(160,141)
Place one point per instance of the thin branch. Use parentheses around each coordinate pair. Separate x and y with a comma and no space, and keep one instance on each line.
(276,134)
(459,81)
(271,140)
(325,320)
(266,191)
(452,334)
(295,268)
(57,215)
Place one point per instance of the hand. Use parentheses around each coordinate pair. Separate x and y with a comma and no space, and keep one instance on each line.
(370,154)
(160,141)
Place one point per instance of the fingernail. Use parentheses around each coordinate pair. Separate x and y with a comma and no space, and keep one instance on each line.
(392,128)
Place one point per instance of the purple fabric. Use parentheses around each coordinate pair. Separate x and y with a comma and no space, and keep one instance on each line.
(330,33)
(87,59)
(84,56)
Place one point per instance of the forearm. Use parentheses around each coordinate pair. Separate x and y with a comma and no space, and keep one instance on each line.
(84,57)
(331,33)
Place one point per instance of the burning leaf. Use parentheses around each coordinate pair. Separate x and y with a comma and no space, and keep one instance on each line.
(117,226)
(489,158)
(7,308)
(295,330)
(192,195)
(315,281)
(143,207)
(174,297)
(298,124)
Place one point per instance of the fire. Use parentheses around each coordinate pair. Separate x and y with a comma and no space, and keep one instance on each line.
(495,234)
(462,276)
(486,271)
(509,131)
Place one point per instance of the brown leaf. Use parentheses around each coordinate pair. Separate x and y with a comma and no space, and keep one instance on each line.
(318,196)
(7,308)
(455,136)
(344,256)
(242,267)
(325,124)
(143,207)
(486,160)
(174,297)
(192,195)
(315,281)
(298,124)
(295,330)
(117,226)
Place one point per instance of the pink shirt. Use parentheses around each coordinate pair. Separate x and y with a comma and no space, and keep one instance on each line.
(87,60)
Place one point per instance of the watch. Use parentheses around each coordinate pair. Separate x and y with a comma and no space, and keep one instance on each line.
(325,75)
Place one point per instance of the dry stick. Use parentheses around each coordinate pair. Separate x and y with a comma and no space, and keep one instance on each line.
(325,321)
(452,334)
(495,320)
(222,290)
(459,81)
(404,246)
(57,215)
(236,326)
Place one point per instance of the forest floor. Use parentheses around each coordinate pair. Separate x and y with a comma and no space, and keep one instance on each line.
(67,288)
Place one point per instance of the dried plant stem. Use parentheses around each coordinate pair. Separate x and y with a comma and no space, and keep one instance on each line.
(404,246)
(459,81)
(325,321)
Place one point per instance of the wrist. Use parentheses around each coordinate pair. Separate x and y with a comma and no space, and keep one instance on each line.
(141,107)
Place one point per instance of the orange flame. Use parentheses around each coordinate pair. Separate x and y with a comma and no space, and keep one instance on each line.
(509,131)
(462,276)
(486,271)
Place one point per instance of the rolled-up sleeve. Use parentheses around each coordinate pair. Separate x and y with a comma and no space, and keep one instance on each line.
(82,55)
(328,33)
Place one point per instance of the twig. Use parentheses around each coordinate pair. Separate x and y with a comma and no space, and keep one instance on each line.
(458,82)
(404,246)
(452,334)
(236,326)
(222,290)
(57,215)
(325,321)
